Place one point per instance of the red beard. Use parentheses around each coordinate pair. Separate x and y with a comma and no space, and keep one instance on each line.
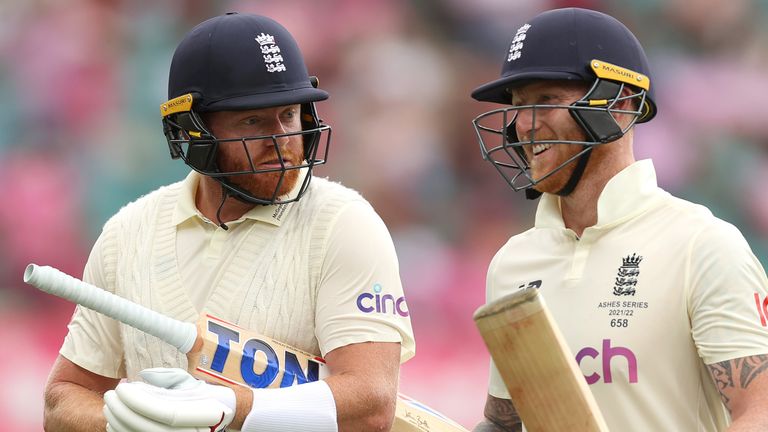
(264,185)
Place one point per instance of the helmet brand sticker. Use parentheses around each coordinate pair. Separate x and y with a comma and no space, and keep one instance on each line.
(271,53)
(180,104)
(609,71)
(515,49)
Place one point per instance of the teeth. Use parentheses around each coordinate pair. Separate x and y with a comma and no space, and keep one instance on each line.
(538,148)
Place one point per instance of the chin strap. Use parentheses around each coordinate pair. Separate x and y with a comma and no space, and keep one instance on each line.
(577,173)
(532,194)
(225,195)
(581,165)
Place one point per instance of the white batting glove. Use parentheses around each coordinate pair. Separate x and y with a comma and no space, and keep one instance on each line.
(170,400)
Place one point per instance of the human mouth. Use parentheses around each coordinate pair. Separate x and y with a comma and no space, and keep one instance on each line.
(275,163)
(540,148)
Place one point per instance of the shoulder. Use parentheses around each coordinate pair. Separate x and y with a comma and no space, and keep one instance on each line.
(142,207)
(526,240)
(700,223)
(530,238)
(326,198)
(322,187)
(334,211)
(707,240)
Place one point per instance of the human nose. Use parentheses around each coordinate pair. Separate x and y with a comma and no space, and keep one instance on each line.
(525,123)
(277,129)
(275,126)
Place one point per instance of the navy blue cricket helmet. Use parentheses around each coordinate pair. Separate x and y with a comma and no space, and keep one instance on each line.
(240,62)
(571,44)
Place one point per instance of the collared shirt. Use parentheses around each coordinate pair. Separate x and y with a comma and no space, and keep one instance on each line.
(203,245)
(656,290)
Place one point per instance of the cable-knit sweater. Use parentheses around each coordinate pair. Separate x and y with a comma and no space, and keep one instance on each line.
(270,285)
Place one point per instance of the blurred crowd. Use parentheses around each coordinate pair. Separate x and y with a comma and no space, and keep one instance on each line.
(81,82)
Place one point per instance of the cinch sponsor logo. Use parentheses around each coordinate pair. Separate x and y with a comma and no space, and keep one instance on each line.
(762,309)
(607,355)
(377,303)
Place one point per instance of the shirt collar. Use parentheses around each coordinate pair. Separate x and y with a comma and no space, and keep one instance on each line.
(626,194)
(272,214)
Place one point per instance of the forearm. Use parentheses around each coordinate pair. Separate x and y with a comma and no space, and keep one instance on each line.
(70,407)
(499,415)
(489,426)
(351,398)
(363,403)
(244,404)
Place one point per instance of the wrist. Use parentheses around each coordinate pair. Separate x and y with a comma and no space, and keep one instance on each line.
(307,407)
(244,397)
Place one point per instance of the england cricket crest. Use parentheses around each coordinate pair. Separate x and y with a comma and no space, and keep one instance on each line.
(626,279)
(271,53)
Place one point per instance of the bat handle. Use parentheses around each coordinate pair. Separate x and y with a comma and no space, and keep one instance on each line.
(180,334)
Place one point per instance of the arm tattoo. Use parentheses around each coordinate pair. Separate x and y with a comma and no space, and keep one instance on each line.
(721,373)
(751,367)
(500,415)
(739,373)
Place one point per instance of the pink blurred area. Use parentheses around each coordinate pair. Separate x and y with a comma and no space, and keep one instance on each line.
(81,82)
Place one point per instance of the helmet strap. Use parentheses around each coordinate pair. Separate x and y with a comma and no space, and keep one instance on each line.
(581,165)
(532,194)
(230,190)
(224,196)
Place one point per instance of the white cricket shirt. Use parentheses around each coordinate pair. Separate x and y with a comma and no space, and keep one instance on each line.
(646,298)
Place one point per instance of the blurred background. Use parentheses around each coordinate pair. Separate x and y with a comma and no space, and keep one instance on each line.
(81,82)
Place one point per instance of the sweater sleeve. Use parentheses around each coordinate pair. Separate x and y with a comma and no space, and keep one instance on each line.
(93,341)
(360,296)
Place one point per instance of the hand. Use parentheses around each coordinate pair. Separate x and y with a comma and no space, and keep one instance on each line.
(170,400)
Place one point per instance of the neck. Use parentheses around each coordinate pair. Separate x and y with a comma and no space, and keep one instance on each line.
(208,199)
(579,208)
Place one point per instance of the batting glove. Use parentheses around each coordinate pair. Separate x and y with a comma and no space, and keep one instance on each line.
(170,400)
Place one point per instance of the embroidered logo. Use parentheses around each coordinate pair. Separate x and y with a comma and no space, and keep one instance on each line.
(271,53)
(626,279)
(516,47)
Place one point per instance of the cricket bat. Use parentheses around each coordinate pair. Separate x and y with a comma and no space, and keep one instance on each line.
(222,352)
(546,385)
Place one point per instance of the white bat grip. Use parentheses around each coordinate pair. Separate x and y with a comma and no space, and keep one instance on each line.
(180,334)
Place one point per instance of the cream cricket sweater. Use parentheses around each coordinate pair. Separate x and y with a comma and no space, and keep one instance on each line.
(270,285)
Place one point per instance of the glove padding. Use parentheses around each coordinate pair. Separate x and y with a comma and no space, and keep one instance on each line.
(170,400)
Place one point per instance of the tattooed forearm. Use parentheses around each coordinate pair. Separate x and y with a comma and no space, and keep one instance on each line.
(735,375)
(500,415)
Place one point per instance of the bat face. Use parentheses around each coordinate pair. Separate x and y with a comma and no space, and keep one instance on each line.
(412,415)
(233,355)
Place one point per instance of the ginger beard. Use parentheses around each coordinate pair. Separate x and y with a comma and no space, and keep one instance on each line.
(544,158)
(264,155)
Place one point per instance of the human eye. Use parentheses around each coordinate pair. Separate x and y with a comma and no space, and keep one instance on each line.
(547,99)
(291,119)
(250,121)
(291,113)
